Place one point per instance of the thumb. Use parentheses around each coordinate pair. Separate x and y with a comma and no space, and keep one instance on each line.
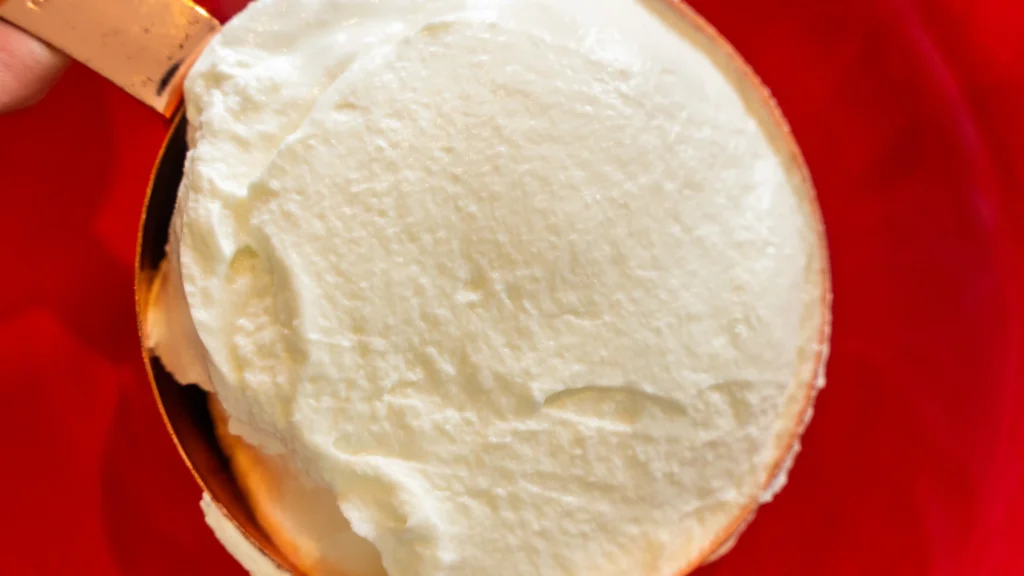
(28,67)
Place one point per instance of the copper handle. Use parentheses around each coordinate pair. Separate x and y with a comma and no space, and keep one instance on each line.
(144,46)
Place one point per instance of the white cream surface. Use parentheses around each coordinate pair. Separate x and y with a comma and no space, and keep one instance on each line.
(522,284)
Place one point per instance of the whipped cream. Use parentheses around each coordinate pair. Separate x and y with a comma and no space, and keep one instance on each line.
(523,286)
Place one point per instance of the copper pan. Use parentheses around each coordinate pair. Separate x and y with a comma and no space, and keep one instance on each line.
(147,47)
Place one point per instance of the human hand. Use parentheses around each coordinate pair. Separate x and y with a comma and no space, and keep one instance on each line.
(28,67)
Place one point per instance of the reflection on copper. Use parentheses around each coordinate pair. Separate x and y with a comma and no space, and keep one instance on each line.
(184,408)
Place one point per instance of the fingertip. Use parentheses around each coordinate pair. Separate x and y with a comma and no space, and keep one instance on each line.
(28,68)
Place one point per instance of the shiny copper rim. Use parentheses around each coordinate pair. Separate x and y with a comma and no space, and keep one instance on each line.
(754,94)
(144,277)
(757,96)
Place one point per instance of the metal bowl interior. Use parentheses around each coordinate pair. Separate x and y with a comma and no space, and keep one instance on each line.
(184,408)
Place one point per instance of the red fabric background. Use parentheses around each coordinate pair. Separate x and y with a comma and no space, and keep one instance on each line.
(909,113)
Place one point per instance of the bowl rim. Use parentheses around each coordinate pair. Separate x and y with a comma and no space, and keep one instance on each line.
(144,280)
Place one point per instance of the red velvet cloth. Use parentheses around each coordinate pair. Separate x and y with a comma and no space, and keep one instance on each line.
(909,113)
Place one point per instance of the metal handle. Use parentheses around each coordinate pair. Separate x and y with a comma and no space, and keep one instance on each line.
(144,46)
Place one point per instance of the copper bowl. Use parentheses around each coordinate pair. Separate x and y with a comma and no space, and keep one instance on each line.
(184,408)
